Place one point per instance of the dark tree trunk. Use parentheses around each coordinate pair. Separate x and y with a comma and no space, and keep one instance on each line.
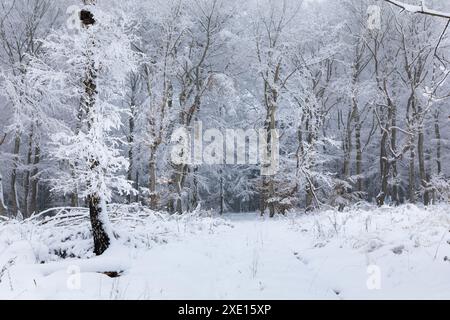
(35,180)
(221,192)
(411,175)
(384,170)
(26,182)
(2,199)
(359,186)
(131,147)
(152,179)
(14,200)
(422,170)
(437,133)
(394,195)
(136,186)
(2,204)
(101,238)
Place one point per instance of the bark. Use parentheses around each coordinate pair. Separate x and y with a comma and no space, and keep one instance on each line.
(131,148)
(137,186)
(180,177)
(221,193)
(437,134)
(152,179)
(384,170)
(348,145)
(393,147)
(422,171)
(271,103)
(80,116)
(14,198)
(2,199)
(411,175)
(181,171)
(26,181)
(96,207)
(101,238)
(358,147)
(309,188)
(35,180)
(270,187)
(195,196)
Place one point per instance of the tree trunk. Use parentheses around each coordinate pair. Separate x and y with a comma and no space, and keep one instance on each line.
(437,134)
(347,145)
(26,182)
(96,204)
(101,238)
(14,198)
(394,193)
(262,197)
(195,196)
(384,170)
(131,148)
(136,186)
(221,192)
(179,175)
(35,180)
(411,175)
(358,159)
(2,200)
(152,179)
(422,170)
(271,98)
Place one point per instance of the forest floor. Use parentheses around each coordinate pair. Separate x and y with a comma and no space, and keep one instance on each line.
(363,253)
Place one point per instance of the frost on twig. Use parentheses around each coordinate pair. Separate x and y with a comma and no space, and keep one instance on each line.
(419,9)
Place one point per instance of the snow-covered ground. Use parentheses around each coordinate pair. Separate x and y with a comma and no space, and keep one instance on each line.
(363,253)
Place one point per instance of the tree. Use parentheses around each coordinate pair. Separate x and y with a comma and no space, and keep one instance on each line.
(101,58)
(2,200)
(21,26)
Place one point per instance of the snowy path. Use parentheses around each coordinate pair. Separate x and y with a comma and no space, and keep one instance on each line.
(267,259)
(254,259)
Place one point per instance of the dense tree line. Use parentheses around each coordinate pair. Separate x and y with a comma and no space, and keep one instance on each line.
(90,98)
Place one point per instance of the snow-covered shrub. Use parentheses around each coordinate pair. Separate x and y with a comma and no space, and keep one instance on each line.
(369,228)
(66,232)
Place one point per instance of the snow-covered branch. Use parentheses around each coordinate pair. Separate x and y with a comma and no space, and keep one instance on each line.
(2,139)
(419,9)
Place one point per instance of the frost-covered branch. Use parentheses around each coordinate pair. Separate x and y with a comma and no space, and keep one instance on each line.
(2,139)
(419,9)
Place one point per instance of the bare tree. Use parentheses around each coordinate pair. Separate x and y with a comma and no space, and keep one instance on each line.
(194,78)
(21,25)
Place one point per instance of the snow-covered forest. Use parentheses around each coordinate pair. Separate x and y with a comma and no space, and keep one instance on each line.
(348,98)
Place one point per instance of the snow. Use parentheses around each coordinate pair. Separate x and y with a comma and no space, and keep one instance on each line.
(419,9)
(407,7)
(325,255)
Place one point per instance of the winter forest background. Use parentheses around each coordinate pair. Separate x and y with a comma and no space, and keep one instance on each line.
(361,109)
(349,97)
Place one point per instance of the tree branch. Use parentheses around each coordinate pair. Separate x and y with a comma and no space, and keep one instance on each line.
(2,139)
(422,9)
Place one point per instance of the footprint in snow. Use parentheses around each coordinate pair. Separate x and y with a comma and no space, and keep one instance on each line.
(398,250)
(300,258)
